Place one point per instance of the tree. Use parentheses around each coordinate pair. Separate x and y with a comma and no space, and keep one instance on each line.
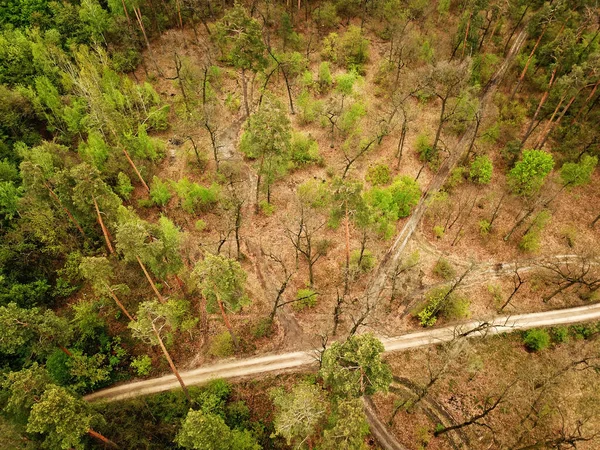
(266,139)
(32,328)
(446,80)
(222,282)
(529,174)
(64,418)
(354,367)
(481,169)
(241,43)
(578,173)
(298,412)
(350,427)
(154,319)
(99,272)
(207,431)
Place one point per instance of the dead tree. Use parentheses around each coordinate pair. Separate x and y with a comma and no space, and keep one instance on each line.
(583,274)
(518,281)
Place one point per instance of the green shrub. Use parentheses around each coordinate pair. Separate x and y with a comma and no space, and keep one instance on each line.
(569,233)
(560,335)
(304,150)
(159,192)
(378,175)
(325,15)
(484,227)
(444,269)
(306,298)
(124,187)
(325,78)
(200,225)
(529,174)
(362,263)
(195,197)
(536,339)
(266,208)
(530,242)
(221,345)
(142,365)
(481,169)
(354,48)
(438,231)
(263,328)
(309,109)
(425,148)
(440,303)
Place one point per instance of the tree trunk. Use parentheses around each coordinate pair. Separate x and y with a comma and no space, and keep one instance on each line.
(587,100)
(234,338)
(118,302)
(524,72)
(439,130)
(245,92)
(138,16)
(593,223)
(102,438)
(134,167)
(401,143)
(347,229)
(104,230)
(537,111)
(546,129)
(466,36)
(172,364)
(160,297)
(515,29)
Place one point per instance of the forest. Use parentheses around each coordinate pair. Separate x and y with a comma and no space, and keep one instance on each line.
(310,224)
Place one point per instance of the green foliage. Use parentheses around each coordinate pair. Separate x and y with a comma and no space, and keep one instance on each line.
(441,302)
(309,108)
(378,175)
(159,192)
(124,187)
(240,39)
(171,316)
(530,242)
(62,418)
(304,150)
(396,200)
(354,49)
(536,339)
(142,365)
(325,15)
(218,276)
(484,227)
(266,208)
(560,335)
(438,231)
(362,262)
(444,269)
(200,225)
(443,8)
(481,169)
(194,197)
(206,431)
(325,78)
(579,173)
(349,429)
(425,148)
(529,174)
(221,345)
(354,367)
(298,412)
(344,82)
(305,298)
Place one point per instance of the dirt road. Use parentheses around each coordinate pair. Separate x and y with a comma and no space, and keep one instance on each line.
(296,360)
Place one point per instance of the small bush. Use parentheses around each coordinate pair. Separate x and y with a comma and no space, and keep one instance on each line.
(124,187)
(195,197)
(325,78)
(530,242)
(378,175)
(159,192)
(200,225)
(560,335)
(444,269)
(309,109)
(438,231)
(306,298)
(266,208)
(263,328)
(142,365)
(536,340)
(569,233)
(221,345)
(496,293)
(304,150)
(481,169)
(425,148)
(484,227)
(362,263)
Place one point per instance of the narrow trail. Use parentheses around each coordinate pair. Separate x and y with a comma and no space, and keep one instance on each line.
(294,361)
(390,259)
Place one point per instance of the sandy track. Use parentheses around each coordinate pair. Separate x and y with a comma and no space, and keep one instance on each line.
(248,367)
